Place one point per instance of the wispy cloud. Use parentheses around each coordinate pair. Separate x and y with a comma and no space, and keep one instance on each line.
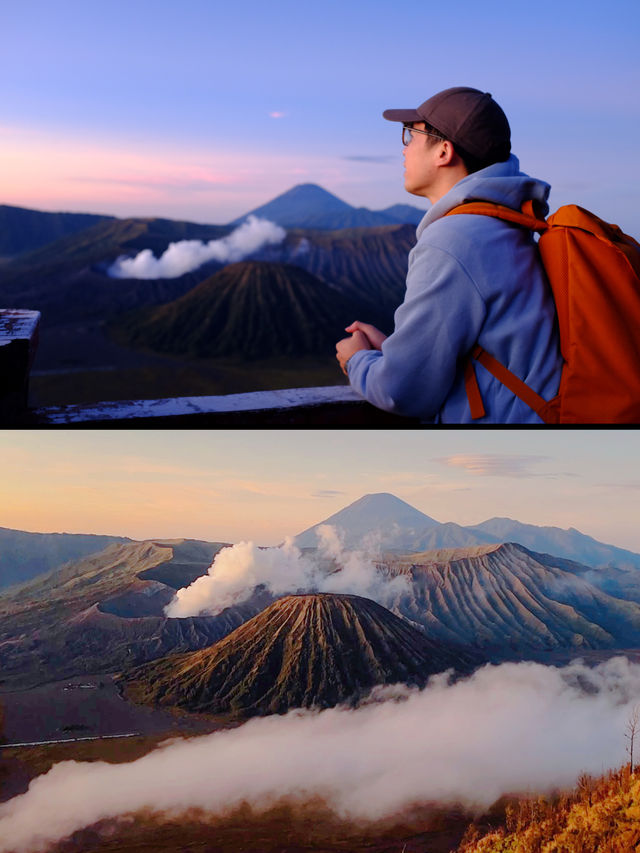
(276,114)
(496,464)
(327,493)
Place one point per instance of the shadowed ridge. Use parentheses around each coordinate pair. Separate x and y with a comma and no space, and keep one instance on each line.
(302,651)
(23,229)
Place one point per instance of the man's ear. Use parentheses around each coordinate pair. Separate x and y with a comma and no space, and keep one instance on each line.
(447,153)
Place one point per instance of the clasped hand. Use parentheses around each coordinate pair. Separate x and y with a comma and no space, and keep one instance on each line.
(363,336)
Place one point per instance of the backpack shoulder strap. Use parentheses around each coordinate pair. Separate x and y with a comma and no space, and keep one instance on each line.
(527,216)
(503,375)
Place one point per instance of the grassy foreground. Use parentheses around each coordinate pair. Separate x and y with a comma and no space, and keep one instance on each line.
(599,816)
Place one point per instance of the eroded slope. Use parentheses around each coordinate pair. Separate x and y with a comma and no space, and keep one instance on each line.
(302,651)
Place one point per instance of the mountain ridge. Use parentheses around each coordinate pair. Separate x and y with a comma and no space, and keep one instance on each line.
(499,600)
(507,599)
(25,555)
(23,229)
(568,544)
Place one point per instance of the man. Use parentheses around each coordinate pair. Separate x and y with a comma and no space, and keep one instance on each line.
(472,279)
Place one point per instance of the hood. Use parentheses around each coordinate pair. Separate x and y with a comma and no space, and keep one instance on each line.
(502,183)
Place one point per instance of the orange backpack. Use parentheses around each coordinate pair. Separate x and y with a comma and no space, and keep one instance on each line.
(594,272)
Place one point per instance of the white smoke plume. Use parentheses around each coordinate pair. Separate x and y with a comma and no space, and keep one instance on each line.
(358,574)
(187,255)
(508,728)
(237,570)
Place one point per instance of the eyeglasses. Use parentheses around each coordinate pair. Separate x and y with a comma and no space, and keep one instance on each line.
(408,131)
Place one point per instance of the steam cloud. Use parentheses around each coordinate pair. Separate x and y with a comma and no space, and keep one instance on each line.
(187,255)
(506,728)
(238,570)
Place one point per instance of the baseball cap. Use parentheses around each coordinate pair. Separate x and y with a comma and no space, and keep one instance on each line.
(471,119)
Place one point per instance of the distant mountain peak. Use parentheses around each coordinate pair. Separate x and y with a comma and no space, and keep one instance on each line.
(382,496)
(311,206)
(381,515)
(309,189)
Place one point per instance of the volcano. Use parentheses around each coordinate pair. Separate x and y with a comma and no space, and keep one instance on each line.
(302,651)
(382,516)
(253,309)
(311,206)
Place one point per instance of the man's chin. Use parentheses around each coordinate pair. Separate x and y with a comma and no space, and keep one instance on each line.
(411,189)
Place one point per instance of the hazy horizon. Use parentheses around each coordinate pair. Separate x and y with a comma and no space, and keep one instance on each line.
(266,485)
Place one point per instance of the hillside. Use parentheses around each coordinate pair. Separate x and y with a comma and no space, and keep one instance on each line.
(508,600)
(405,213)
(254,309)
(367,264)
(102,612)
(302,651)
(25,555)
(23,230)
(106,238)
(599,815)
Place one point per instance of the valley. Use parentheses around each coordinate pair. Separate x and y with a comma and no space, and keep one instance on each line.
(105,338)
(83,707)
(265,692)
(498,601)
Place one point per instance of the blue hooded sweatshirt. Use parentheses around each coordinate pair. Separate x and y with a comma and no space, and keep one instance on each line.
(471,279)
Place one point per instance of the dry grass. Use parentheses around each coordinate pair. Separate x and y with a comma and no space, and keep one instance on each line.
(599,816)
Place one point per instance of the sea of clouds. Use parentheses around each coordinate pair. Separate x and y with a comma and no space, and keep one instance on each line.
(513,727)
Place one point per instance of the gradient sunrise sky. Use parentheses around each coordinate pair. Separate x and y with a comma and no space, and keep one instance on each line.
(203,110)
(264,485)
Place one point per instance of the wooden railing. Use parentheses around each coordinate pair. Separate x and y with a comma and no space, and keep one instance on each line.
(335,406)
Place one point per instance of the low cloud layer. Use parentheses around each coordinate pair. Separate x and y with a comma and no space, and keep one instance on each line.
(514,727)
(237,571)
(187,255)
